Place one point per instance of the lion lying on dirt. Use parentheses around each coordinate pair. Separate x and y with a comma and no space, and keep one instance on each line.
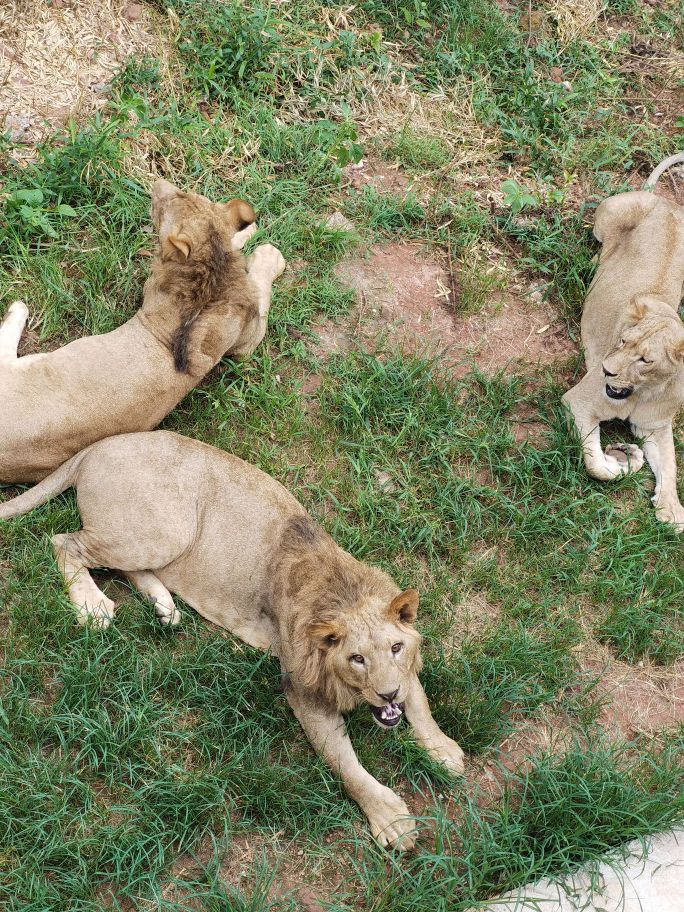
(176,515)
(202,300)
(633,341)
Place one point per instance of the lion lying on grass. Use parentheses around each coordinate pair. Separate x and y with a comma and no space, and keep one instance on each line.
(633,341)
(202,300)
(176,515)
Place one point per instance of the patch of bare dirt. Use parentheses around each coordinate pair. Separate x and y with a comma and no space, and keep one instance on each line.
(244,855)
(382,176)
(516,753)
(639,700)
(671,184)
(474,615)
(402,293)
(57,57)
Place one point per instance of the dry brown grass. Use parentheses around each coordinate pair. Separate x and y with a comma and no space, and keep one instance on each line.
(574,18)
(56,59)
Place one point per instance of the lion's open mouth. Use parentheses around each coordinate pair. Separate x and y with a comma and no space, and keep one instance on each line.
(389,715)
(621,393)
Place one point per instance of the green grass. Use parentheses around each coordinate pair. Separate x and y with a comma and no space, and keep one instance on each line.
(132,761)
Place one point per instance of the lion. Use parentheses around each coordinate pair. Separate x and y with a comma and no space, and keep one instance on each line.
(633,342)
(203,300)
(179,516)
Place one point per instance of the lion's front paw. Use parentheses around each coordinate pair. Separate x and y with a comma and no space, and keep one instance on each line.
(267,263)
(672,513)
(390,820)
(240,238)
(618,459)
(629,456)
(449,753)
(99,614)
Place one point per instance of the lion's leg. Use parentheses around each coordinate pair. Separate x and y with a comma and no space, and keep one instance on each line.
(11,329)
(617,459)
(388,816)
(428,733)
(263,268)
(660,453)
(73,560)
(159,595)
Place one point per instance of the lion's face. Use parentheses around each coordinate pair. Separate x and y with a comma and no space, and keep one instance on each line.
(186,220)
(372,654)
(649,353)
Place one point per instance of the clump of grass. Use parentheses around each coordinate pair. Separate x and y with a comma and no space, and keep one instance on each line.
(474,691)
(645,630)
(558,247)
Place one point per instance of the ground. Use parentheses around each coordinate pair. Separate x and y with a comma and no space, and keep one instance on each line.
(429,170)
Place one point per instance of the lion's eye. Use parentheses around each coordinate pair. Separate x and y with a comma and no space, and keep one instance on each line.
(645,361)
(622,341)
(357,659)
(397,647)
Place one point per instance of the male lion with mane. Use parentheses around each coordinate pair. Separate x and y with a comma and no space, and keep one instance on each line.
(176,515)
(202,300)
(633,341)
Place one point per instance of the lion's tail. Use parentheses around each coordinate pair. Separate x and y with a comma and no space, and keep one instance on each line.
(658,172)
(61,479)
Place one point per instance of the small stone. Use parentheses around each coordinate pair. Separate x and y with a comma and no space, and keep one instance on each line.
(338,222)
(384,481)
(17,124)
(566,85)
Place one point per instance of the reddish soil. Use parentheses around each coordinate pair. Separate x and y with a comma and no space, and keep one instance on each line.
(380,175)
(404,294)
(639,700)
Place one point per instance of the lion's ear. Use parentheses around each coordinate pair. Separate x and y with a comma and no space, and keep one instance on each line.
(241,213)
(326,633)
(678,351)
(404,607)
(176,247)
(638,309)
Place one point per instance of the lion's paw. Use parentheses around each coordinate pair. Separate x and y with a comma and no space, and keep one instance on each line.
(628,456)
(240,238)
(268,262)
(99,615)
(167,613)
(672,514)
(448,753)
(390,820)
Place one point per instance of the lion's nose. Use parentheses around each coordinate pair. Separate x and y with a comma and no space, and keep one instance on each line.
(606,372)
(389,696)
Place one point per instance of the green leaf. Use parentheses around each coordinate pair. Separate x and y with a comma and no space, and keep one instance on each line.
(32,197)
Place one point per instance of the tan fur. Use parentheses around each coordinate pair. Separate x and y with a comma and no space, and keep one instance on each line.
(202,300)
(178,516)
(633,340)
